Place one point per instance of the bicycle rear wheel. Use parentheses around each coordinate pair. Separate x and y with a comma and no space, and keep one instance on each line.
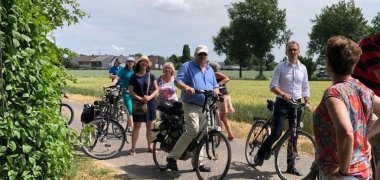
(159,156)
(100,140)
(258,133)
(304,155)
(218,158)
(67,112)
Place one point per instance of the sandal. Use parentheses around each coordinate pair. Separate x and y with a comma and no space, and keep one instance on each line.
(230,138)
(132,152)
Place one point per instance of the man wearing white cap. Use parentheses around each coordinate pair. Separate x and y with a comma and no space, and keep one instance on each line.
(194,74)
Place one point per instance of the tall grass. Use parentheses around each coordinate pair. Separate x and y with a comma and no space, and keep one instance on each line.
(248,96)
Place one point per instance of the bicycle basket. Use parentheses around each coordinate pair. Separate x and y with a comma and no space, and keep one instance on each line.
(88,113)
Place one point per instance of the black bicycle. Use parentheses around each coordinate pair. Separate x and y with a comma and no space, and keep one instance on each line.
(66,111)
(294,141)
(211,146)
(103,136)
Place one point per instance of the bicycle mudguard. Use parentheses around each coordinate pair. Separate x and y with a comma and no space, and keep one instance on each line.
(258,118)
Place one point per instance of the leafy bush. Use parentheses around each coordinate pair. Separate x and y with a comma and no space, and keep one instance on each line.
(33,137)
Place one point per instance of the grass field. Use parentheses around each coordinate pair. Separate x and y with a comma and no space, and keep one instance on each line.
(248,96)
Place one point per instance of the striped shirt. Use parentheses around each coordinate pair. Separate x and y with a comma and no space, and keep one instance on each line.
(368,63)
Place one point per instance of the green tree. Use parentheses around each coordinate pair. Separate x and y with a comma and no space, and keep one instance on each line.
(33,137)
(175,60)
(343,19)
(185,54)
(376,23)
(254,28)
(310,65)
(269,59)
(66,55)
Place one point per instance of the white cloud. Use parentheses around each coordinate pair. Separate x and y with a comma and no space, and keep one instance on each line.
(117,48)
(88,26)
(172,5)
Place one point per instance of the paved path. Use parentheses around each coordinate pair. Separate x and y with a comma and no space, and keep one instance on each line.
(141,166)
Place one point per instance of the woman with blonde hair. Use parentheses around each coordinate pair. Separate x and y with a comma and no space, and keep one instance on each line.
(167,88)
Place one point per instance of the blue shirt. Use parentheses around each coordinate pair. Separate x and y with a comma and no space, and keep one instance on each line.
(191,75)
(291,79)
(124,77)
(114,70)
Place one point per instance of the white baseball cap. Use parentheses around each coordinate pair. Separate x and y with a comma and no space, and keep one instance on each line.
(201,49)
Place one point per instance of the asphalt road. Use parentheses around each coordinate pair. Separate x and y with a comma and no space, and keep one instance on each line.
(141,165)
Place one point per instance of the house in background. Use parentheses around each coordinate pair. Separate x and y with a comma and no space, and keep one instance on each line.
(107,61)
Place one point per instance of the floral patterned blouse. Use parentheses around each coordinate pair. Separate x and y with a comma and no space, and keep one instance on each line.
(167,89)
(359,102)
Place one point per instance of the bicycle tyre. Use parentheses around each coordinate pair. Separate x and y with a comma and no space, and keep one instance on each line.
(255,139)
(304,159)
(159,156)
(67,111)
(219,156)
(99,140)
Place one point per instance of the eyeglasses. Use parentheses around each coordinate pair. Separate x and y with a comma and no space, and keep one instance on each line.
(290,50)
(202,54)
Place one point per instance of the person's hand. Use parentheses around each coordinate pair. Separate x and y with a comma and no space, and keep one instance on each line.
(330,168)
(308,106)
(287,97)
(190,90)
(146,98)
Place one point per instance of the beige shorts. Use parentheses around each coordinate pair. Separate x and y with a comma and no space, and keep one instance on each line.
(226,105)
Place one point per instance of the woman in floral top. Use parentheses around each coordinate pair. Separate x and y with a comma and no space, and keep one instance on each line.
(341,120)
(167,89)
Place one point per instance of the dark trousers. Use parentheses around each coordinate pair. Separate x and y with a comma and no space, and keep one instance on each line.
(282,110)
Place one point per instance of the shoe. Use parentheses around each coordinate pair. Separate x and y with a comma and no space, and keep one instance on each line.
(230,138)
(129,130)
(203,168)
(172,164)
(294,171)
(132,152)
(258,161)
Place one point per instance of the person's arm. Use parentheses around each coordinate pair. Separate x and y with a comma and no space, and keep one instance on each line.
(181,75)
(344,132)
(224,79)
(133,94)
(111,76)
(114,82)
(375,126)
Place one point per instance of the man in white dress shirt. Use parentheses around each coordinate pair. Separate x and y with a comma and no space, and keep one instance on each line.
(289,81)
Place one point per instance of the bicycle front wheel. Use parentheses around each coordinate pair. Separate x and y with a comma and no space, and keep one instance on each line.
(216,157)
(299,154)
(101,140)
(67,112)
(159,156)
(258,133)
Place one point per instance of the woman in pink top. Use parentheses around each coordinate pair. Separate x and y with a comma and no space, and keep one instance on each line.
(167,88)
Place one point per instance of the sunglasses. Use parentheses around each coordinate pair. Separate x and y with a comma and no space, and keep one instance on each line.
(202,54)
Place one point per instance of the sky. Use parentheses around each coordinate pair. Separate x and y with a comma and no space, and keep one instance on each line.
(163,27)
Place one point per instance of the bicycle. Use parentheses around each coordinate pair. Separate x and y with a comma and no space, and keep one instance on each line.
(103,136)
(210,145)
(66,111)
(297,141)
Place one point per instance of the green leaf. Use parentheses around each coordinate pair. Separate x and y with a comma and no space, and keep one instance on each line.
(26,38)
(9,87)
(32,160)
(2,150)
(26,148)
(12,145)
(25,95)
(16,43)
